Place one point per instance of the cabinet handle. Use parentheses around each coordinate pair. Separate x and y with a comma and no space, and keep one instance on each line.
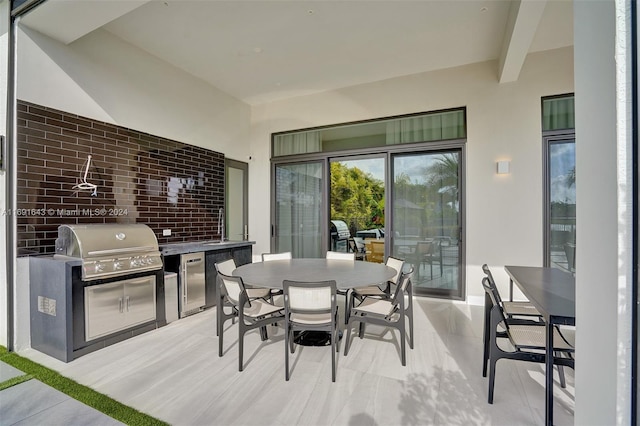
(120,304)
(128,303)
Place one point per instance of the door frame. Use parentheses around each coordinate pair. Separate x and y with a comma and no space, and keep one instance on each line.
(457,146)
(235,164)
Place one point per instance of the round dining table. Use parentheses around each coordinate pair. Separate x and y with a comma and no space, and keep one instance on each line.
(347,274)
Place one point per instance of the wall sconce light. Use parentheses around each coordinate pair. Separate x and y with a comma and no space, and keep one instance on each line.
(503,167)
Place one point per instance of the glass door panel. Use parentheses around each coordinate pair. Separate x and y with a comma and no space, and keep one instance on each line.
(237,213)
(298,209)
(426,220)
(357,199)
(561,231)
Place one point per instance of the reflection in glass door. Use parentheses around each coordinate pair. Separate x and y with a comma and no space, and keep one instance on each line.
(236,200)
(560,227)
(357,203)
(298,209)
(426,220)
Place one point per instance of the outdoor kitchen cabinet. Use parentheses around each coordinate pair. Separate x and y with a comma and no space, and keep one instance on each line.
(119,305)
(57,308)
(239,251)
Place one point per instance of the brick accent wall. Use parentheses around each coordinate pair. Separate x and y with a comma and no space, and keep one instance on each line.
(140,178)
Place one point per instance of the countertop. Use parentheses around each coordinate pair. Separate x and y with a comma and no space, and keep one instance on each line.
(198,246)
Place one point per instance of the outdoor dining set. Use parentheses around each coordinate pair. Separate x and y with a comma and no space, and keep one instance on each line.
(301,295)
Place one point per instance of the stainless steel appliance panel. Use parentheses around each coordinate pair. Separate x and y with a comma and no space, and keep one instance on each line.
(140,300)
(192,283)
(115,306)
(103,310)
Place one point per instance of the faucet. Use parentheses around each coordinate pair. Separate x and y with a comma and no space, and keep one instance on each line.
(221,224)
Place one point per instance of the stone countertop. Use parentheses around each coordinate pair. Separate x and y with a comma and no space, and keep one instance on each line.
(198,246)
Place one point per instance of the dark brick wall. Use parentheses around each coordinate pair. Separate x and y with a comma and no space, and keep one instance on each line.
(140,178)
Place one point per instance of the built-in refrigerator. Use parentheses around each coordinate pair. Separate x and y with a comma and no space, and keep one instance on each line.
(192,283)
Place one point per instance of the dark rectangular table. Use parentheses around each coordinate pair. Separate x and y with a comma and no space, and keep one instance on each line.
(553,292)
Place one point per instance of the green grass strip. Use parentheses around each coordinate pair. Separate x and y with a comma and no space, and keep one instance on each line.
(75,390)
(15,381)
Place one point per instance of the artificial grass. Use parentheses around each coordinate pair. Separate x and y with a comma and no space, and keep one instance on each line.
(75,390)
(15,381)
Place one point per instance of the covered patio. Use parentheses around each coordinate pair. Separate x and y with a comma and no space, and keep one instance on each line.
(174,374)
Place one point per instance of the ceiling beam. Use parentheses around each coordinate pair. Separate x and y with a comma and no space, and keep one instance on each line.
(68,20)
(524,17)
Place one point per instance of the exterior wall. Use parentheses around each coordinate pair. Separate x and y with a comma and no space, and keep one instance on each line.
(101,77)
(603,293)
(4,55)
(140,178)
(503,122)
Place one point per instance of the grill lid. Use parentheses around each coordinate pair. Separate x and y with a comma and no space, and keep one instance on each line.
(110,249)
(339,229)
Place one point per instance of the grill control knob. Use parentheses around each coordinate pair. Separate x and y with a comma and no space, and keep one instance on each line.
(117,265)
(99,267)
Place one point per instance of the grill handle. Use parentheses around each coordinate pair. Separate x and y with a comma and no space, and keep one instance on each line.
(120,250)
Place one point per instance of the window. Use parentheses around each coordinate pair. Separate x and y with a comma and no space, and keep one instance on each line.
(423,127)
(560,183)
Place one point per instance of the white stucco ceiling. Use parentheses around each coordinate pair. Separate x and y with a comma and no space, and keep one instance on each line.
(266,50)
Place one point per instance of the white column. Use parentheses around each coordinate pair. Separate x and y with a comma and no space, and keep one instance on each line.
(602,308)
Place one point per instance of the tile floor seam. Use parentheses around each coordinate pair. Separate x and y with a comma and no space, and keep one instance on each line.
(42,410)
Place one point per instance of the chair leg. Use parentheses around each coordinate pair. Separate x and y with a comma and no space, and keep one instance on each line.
(333,355)
(563,382)
(410,312)
(492,379)
(219,327)
(240,346)
(287,339)
(347,338)
(403,349)
(263,333)
(348,306)
(361,331)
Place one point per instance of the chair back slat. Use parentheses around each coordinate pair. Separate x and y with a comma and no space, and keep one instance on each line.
(403,286)
(233,287)
(338,255)
(226,267)
(492,284)
(266,257)
(309,297)
(396,264)
(490,290)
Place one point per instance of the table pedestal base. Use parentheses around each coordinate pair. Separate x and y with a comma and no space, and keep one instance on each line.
(313,338)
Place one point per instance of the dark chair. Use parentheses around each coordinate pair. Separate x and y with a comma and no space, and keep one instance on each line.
(391,312)
(355,249)
(427,252)
(570,253)
(526,337)
(251,313)
(519,309)
(310,306)
(227,267)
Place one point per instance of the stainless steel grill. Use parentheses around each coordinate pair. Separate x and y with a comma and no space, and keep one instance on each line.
(110,250)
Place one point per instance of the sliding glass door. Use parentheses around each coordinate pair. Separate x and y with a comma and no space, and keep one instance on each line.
(356,197)
(299,219)
(427,219)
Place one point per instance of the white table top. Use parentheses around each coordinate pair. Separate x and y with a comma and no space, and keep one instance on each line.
(346,273)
